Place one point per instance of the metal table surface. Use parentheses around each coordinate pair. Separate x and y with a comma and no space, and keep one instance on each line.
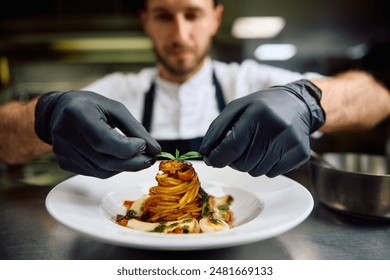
(28,232)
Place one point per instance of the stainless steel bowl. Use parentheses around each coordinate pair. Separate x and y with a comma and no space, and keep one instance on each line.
(356,184)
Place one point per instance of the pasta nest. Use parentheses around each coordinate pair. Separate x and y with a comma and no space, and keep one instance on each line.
(176,195)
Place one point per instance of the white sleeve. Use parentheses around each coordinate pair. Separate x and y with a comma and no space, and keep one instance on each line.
(112,85)
(129,89)
(242,79)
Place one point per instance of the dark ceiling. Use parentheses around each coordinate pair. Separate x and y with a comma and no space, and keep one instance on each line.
(321,30)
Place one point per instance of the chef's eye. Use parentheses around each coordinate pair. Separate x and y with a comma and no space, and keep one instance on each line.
(163,16)
(193,15)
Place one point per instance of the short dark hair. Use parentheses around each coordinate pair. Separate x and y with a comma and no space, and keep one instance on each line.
(136,5)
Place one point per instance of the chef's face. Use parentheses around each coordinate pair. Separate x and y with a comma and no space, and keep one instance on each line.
(181,31)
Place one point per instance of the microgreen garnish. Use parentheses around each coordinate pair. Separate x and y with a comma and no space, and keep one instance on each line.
(177,156)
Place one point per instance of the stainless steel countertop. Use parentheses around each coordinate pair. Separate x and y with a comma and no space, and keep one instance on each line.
(27,231)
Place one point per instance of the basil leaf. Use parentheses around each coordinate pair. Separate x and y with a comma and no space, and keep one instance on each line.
(166,155)
(177,156)
(190,155)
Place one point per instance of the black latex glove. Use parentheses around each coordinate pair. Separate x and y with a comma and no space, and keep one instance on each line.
(81,127)
(266,132)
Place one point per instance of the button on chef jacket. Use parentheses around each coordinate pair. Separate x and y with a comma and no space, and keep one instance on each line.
(185,111)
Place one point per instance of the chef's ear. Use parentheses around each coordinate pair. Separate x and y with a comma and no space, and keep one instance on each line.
(142,15)
(218,12)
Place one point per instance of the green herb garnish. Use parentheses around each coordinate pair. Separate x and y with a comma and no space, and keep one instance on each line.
(177,156)
(206,211)
(186,229)
(223,207)
(160,228)
(131,214)
(173,225)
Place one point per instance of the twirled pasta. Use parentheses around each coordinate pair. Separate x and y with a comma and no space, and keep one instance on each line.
(177,204)
(176,196)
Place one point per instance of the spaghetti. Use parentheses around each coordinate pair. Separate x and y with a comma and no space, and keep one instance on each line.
(176,196)
(177,204)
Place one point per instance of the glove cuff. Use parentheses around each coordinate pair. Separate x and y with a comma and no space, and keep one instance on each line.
(43,112)
(311,95)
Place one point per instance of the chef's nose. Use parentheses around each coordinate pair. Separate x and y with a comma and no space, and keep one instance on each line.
(181,29)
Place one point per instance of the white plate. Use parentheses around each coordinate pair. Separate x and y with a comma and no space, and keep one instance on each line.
(263,208)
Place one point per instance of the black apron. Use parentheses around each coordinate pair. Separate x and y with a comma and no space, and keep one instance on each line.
(182,145)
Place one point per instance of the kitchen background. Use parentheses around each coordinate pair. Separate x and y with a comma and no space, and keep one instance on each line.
(60,45)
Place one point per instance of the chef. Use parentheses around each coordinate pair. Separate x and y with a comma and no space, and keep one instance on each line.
(251,117)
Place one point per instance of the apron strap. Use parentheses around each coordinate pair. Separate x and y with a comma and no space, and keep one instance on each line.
(148,106)
(218,93)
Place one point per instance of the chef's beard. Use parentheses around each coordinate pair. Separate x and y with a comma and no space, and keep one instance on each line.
(180,68)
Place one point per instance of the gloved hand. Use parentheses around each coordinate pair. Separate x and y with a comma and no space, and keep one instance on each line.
(81,127)
(266,132)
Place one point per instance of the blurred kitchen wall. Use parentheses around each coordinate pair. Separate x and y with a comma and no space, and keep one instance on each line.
(105,36)
(61,45)
(50,44)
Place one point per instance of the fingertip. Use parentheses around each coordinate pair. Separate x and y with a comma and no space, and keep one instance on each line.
(137,146)
(272,175)
(204,148)
(217,159)
(137,163)
(206,161)
(152,146)
(154,149)
(257,174)
(141,146)
(150,161)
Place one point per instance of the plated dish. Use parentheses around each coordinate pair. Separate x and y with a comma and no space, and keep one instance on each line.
(263,208)
(177,204)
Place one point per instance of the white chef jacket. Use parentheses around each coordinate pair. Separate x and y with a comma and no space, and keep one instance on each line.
(185,111)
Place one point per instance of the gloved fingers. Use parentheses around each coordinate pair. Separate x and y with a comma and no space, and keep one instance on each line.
(225,152)
(102,138)
(135,163)
(71,160)
(291,160)
(264,164)
(111,163)
(235,145)
(125,122)
(83,167)
(87,161)
(281,159)
(97,135)
(220,127)
(250,158)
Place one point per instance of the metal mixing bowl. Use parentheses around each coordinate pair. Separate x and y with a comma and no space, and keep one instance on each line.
(358,184)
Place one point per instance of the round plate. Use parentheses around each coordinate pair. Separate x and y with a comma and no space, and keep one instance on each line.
(263,208)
